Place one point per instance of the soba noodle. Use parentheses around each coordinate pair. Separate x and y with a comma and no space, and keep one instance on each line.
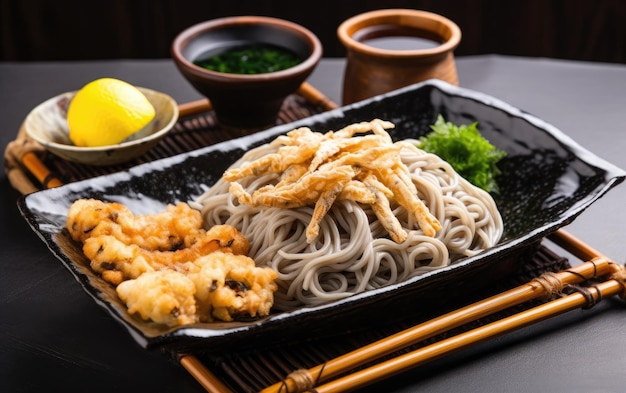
(353,252)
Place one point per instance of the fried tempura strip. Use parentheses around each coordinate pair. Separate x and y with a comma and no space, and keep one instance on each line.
(406,195)
(240,193)
(329,148)
(370,180)
(304,192)
(374,158)
(375,126)
(292,152)
(388,220)
(357,191)
(273,163)
(379,127)
(322,206)
(292,174)
(298,136)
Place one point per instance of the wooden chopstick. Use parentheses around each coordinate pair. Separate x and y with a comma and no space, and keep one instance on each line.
(40,171)
(597,266)
(194,107)
(204,377)
(316,97)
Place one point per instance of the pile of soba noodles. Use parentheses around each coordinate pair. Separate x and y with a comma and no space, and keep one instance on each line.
(347,211)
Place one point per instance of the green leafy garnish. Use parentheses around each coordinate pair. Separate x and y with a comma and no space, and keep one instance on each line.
(466,150)
(251,59)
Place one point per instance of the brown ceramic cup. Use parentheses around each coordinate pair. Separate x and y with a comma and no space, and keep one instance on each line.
(245,103)
(424,49)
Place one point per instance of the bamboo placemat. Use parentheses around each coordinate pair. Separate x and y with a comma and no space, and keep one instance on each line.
(30,168)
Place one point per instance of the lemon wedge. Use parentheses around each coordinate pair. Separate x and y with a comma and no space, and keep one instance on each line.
(106,111)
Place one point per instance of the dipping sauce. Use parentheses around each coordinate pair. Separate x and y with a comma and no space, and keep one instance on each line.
(392,37)
(251,59)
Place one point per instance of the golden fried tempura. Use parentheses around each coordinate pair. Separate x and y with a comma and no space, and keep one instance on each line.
(148,257)
(366,169)
(230,239)
(176,227)
(164,296)
(231,287)
(107,254)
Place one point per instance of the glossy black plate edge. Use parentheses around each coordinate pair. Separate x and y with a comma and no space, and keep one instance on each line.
(614,176)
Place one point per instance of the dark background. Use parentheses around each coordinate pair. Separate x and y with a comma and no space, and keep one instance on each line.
(35,30)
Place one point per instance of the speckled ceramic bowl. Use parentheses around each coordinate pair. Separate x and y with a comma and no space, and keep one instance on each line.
(47,124)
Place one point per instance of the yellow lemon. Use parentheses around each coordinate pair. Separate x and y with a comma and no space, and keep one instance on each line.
(107,111)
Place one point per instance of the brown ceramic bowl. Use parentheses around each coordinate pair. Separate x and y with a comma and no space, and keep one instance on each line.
(245,101)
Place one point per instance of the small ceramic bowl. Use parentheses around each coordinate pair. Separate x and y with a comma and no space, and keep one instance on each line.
(47,124)
(245,101)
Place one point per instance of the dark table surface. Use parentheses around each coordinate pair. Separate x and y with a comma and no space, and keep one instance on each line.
(53,337)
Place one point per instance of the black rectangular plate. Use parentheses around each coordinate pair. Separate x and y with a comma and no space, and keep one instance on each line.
(547,180)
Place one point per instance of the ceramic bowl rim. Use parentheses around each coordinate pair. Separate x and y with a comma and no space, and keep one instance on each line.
(400,16)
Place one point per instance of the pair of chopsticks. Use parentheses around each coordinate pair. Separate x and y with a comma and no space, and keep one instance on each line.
(548,285)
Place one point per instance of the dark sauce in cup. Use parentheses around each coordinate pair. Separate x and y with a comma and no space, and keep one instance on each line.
(393,37)
(254,58)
